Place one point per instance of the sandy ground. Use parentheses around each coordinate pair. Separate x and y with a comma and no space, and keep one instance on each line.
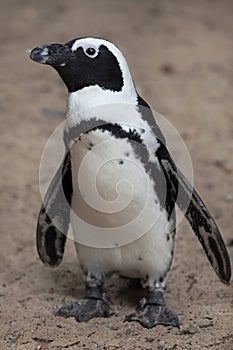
(180,54)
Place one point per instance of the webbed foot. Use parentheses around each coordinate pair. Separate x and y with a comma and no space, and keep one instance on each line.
(85,309)
(94,304)
(152,311)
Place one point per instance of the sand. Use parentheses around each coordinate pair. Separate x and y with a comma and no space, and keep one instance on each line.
(180,54)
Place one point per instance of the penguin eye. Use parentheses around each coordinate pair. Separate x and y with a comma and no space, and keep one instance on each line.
(91,52)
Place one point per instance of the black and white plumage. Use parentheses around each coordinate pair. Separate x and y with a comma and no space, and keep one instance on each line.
(108,123)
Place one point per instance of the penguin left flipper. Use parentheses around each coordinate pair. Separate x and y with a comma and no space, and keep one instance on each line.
(198,216)
(54,217)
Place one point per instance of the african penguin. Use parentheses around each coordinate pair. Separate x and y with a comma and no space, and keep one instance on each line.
(124,227)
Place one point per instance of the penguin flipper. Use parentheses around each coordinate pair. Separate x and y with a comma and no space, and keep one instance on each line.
(54,217)
(199,218)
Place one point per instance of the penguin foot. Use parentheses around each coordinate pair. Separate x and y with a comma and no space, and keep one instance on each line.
(152,315)
(85,309)
(94,304)
(153,311)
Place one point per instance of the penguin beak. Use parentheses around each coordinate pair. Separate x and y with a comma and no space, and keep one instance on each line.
(52,54)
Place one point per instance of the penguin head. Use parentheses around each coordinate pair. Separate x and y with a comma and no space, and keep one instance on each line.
(87,62)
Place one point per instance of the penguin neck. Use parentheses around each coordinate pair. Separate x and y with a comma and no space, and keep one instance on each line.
(89,101)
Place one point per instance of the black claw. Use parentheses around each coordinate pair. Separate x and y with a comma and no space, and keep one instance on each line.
(85,309)
(67,310)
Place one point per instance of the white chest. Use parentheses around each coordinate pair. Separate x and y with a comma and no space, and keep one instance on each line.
(117,219)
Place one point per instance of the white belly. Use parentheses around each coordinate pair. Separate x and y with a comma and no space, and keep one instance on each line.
(117,220)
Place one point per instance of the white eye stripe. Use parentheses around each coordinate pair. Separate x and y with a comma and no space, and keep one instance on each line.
(85,43)
(91,51)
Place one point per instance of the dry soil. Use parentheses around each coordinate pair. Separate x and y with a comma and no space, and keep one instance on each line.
(181,57)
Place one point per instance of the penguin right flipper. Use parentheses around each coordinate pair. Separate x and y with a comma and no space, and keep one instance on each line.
(54,217)
(199,218)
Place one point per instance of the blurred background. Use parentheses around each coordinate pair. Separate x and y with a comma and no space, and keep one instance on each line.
(180,54)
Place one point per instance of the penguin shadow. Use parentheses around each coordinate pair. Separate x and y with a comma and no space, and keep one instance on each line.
(121,290)
(66,282)
(129,291)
